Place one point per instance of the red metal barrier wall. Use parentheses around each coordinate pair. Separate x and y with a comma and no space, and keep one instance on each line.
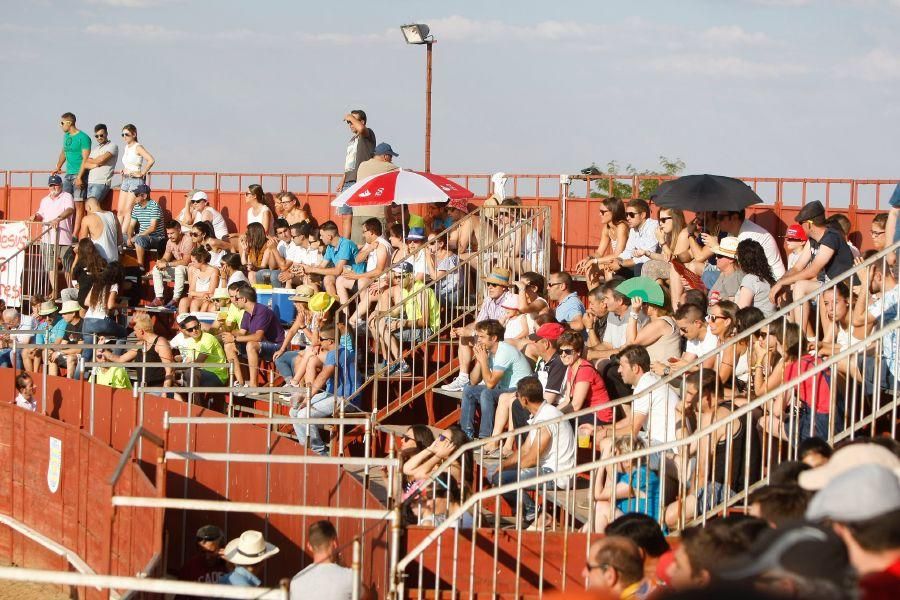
(116,413)
(78,514)
(859,199)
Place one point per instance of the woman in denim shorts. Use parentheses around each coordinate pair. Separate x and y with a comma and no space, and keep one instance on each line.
(136,163)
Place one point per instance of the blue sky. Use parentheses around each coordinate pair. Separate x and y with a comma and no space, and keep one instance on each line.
(781,88)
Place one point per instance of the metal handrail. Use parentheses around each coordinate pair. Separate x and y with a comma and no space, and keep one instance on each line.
(459,270)
(642,453)
(674,375)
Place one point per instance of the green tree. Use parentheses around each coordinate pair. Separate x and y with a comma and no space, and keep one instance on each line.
(622,188)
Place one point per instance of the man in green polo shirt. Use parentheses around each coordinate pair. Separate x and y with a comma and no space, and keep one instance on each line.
(76,147)
(203,347)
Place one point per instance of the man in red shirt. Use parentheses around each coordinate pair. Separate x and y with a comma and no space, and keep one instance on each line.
(863,506)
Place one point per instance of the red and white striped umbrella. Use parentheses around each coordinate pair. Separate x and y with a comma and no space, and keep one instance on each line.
(401,187)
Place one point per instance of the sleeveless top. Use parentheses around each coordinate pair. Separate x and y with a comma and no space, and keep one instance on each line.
(202,284)
(131,160)
(668,345)
(372,259)
(106,244)
(153,376)
(251,218)
(220,228)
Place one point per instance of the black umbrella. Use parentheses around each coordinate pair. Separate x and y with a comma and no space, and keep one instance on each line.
(699,193)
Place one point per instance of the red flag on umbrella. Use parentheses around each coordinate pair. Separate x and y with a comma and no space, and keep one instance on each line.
(401,187)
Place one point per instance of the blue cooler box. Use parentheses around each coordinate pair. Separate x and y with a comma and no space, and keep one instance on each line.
(282,305)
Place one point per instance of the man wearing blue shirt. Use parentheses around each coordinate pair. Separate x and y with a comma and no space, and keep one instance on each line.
(569,308)
(340,365)
(340,254)
(247,553)
(500,367)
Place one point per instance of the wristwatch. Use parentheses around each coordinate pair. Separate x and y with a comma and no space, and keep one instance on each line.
(666,371)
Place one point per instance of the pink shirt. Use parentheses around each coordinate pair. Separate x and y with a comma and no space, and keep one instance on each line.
(49,209)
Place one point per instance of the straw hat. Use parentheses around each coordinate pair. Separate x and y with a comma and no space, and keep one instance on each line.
(727,247)
(220,294)
(47,308)
(304,293)
(321,302)
(249,549)
(499,276)
(69,306)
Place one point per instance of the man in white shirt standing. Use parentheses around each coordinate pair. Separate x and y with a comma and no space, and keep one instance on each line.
(324,579)
(641,235)
(549,449)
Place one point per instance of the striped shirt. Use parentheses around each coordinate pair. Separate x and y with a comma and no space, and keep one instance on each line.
(493,309)
(144,214)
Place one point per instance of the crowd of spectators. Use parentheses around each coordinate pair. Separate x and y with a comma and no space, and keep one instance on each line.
(536,350)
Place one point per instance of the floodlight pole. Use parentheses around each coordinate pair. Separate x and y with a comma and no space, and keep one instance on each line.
(428,45)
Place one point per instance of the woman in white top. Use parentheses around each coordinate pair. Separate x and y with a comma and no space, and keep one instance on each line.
(613,235)
(203,279)
(257,209)
(136,163)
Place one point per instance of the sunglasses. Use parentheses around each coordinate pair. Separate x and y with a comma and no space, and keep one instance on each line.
(197,201)
(603,211)
(495,285)
(63,122)
(126,135)
(566,351)
(552,283)
(664,219)
(715,317)
(324,339)
(99,135)
(631,215)
(191,329)
(874,232)
(442,438)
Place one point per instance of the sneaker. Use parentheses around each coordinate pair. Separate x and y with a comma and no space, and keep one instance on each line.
(457,384)
(238,389)
(157,302)
(399,368)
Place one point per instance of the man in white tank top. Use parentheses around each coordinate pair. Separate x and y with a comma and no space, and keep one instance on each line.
(103,229)
(202,211)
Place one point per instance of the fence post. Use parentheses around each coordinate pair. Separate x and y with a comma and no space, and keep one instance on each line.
(564,182)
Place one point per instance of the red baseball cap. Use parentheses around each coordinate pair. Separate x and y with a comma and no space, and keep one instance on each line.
(795,233)
(547,331)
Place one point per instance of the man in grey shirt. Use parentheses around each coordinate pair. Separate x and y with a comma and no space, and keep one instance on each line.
(323,579)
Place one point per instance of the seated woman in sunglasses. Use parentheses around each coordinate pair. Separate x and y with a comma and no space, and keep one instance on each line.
(423,464)
(203,236)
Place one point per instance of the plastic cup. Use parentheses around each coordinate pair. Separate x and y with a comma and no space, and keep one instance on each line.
(584,439)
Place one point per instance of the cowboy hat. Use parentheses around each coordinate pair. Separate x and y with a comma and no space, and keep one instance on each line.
(249,549)
(727,247)
(69,306)
(321,302)
(304,293)
(47,308)
(499,276)
(221,294)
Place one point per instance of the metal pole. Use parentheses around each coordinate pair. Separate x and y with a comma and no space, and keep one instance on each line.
(428,46)
(357,575)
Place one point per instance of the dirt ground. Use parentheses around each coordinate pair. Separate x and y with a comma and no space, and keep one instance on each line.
(16,590)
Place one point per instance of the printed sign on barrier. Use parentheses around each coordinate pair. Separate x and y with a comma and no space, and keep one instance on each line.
(13,237)
(54,464)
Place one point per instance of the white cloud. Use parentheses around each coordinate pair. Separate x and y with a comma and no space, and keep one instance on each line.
(734,35)
(878,64)
(138,33)
(130,3)
(724,66)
